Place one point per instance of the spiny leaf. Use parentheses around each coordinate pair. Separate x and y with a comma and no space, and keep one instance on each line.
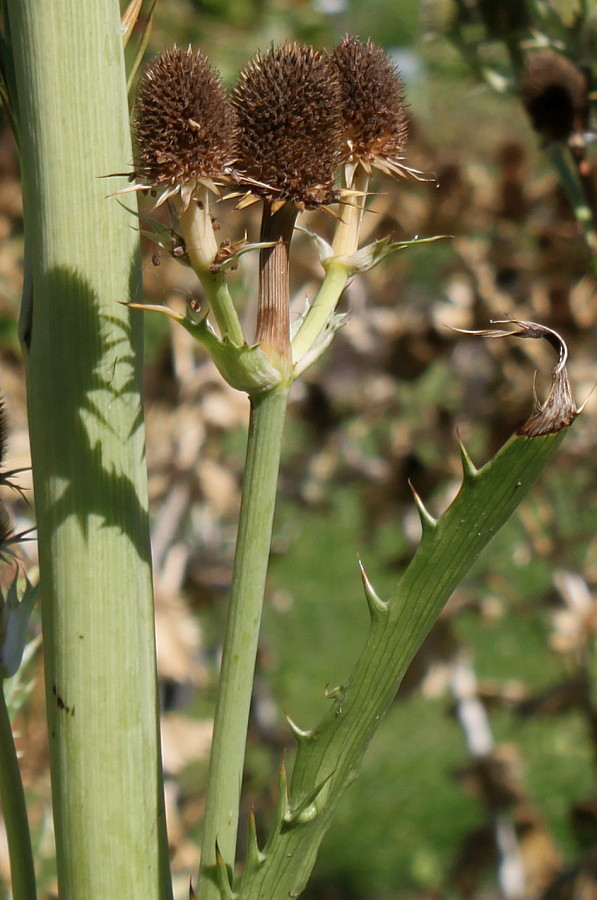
(328,761)
(338,743)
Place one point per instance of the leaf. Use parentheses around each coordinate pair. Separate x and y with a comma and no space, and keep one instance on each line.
(332,755)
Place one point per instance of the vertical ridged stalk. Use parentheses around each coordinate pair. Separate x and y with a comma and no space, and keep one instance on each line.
(240,643)
(87,445)
(264,443)
(14,812)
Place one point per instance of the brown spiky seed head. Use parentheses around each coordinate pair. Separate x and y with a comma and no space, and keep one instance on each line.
(555,94)
(373,105)
(183,122)
(287,104)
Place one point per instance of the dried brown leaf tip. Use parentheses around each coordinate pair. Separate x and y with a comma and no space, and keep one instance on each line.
(555,94)
(183,125)
(373,107)
(559,409)
(287,105)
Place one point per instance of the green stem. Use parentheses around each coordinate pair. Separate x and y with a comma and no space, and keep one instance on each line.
(268,411)
(240,643)
(14,812)
(87,443)
(201,246)
(336,278)
(338,270)
(562,161)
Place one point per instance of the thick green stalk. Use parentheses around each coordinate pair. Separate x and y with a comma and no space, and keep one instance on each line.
(14,812)
(240,643)
(87,445)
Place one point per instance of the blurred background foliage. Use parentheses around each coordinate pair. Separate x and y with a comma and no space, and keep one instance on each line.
(481,781)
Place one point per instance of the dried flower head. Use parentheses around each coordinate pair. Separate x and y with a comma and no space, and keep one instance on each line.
(373,106)
(287,105)
(183,125)
(555,94)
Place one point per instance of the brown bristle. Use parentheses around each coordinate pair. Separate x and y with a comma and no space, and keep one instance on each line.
(183,123)
(373,105)
(287,105)
(555,94)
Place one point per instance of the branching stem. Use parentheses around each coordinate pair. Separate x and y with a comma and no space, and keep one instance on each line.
(201,246)
(268,411)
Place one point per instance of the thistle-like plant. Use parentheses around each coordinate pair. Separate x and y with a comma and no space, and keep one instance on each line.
(307,130)
(302,130)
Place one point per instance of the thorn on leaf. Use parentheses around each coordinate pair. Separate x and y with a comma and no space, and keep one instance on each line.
(469,469)
(428,522)
(376,605)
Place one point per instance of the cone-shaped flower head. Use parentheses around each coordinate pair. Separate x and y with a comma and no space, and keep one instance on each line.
(555,94)
(287,104)
(373,106)
(183,124)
